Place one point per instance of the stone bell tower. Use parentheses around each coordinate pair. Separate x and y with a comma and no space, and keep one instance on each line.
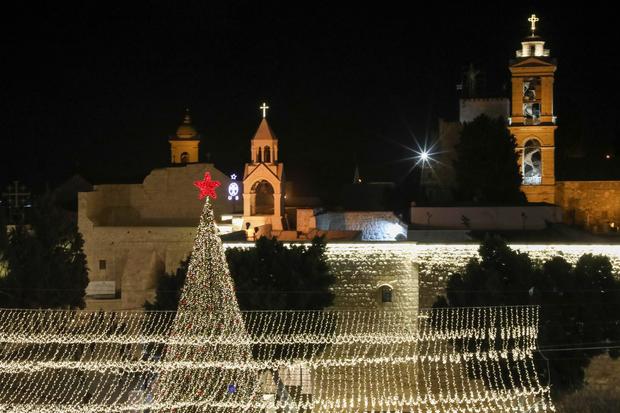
(263,181)
(532,120)
(184,145)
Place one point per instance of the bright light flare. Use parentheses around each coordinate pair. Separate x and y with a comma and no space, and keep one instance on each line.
(424,156)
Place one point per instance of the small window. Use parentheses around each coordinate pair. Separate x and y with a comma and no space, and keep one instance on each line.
(386,294)
(102,264)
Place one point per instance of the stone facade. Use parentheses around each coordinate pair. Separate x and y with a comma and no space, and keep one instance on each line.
(131,231)
(136,256)
(593,205)
(486,218)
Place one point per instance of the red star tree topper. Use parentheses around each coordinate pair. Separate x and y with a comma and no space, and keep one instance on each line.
(207,187)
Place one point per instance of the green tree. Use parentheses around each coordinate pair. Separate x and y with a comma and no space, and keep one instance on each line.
(46,266)
(270,276)
(168,290)
(486,164)
(579,305)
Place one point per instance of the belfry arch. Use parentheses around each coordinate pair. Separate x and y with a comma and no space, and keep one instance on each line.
(262,198)
(531,162)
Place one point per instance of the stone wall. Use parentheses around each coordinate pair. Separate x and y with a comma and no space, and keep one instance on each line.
(166,197)
(593,205)
(482,218)
(135,255)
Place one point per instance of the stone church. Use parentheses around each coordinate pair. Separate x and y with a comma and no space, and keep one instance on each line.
(133,232)
(593,205)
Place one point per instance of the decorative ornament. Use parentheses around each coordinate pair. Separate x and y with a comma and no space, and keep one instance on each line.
(207,187)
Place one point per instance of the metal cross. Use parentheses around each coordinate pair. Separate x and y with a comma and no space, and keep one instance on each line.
(533,19)
(264,109)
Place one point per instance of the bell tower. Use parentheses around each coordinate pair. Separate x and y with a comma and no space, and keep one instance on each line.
(532,121)
(263,180)
(184,145)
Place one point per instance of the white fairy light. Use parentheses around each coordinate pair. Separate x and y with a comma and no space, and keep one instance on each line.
(210,356)
(79,362)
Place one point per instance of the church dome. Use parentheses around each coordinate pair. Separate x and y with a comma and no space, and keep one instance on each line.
(186,129)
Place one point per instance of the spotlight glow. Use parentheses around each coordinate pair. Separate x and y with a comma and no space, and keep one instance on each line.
(424,156)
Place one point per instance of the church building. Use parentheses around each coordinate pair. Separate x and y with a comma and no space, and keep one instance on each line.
(263,180)
(132,231)
(592,205)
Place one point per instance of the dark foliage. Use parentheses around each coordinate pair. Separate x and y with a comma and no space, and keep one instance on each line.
(274,277)
(46,266)
(267,277)
(168,290)
(579,305)
(486,164)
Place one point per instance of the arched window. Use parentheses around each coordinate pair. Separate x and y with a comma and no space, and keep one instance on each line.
(386,293)
(263,199)
(532,163)
(184,157)
(259,156)
(267,154)
(531,100)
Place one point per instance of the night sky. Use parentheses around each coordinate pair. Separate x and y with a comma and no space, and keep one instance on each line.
(97,89)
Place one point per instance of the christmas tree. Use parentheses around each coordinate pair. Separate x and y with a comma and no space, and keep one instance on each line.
(207,308)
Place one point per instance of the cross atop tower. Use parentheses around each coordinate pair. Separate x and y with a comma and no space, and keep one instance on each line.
(533,20)
(264,108)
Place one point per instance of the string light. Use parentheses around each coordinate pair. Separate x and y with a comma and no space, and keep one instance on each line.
(350,360)
(210,356)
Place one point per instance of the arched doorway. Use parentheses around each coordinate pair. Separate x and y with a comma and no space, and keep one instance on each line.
(262,194)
